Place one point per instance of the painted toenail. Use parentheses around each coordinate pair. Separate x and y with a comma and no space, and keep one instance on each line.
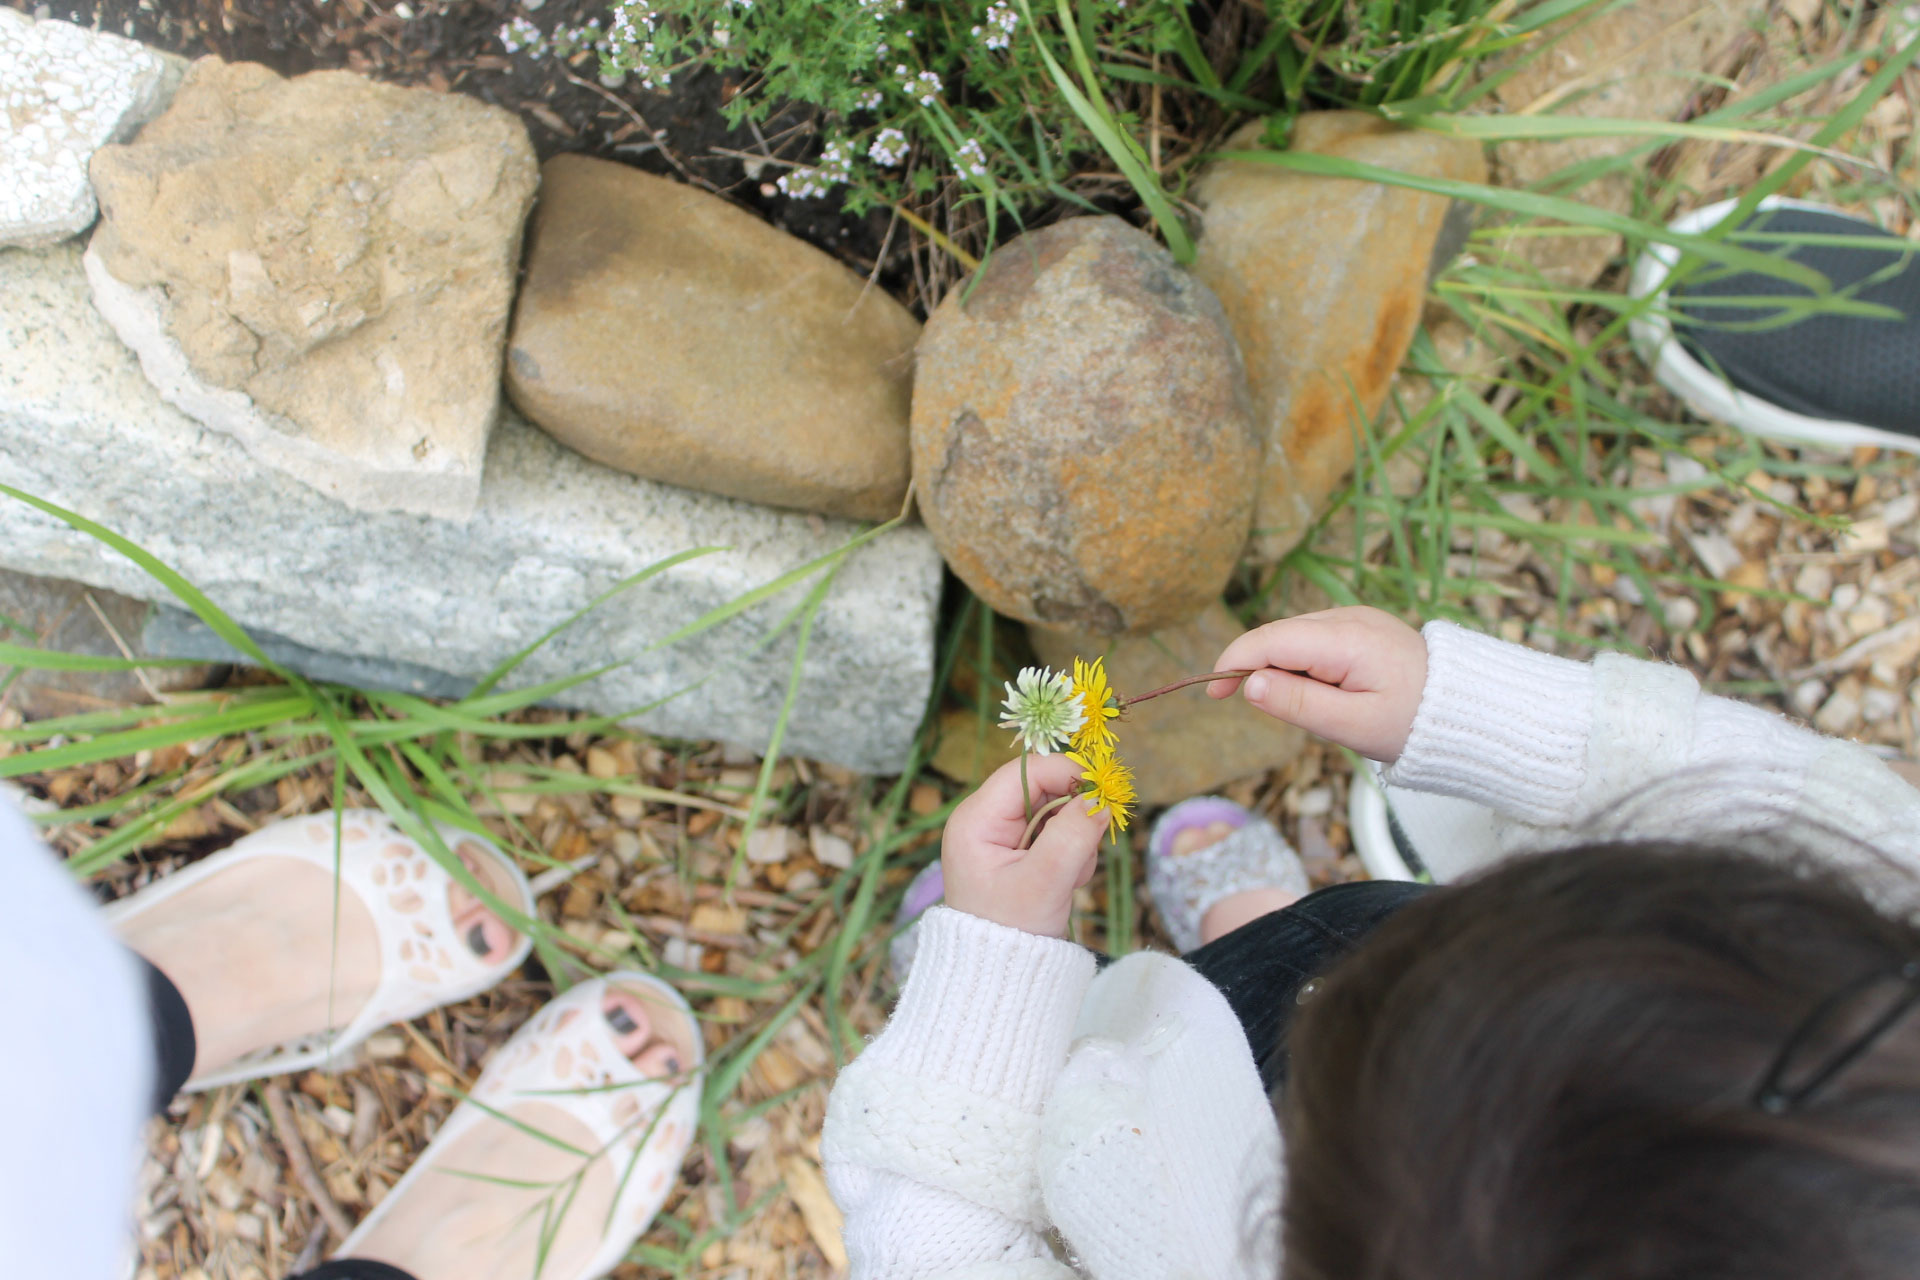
(622,1021)
(477,940)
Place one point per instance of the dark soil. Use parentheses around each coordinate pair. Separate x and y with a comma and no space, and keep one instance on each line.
(454,45)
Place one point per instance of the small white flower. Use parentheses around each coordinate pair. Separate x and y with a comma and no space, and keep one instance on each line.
(722,37)
(803,184)
(997,33)
(970,161)
(889,148)
(925,87)
(1041,708)
(869,101)
(522,34)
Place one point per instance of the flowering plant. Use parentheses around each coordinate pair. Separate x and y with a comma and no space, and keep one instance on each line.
(910,94)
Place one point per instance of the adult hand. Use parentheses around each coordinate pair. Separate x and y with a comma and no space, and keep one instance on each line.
(1352,676)
(1030,889)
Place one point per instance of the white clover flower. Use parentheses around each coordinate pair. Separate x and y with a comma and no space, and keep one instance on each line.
(970,161)
(1042,709)
(889,148)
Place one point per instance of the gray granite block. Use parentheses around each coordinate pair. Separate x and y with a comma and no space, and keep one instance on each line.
(80,426)
(71,617)
(175,633)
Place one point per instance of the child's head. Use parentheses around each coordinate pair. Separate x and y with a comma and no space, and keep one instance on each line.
(1591,1064)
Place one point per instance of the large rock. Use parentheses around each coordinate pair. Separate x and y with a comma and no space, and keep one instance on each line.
(1322,279)
(1182,743)
(70,617)
(668,333)
(1083,449)
(1640,61)
(81,427)
(65,92)
(322,268)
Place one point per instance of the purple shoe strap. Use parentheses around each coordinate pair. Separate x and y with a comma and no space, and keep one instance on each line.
(1201,811)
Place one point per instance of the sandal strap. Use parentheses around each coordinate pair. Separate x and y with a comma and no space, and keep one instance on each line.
(423,963)
(566,1056)
(1256,856)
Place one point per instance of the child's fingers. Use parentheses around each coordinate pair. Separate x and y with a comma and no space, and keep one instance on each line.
(1321,709)
(1317,643)
(1070,837)
(996,813)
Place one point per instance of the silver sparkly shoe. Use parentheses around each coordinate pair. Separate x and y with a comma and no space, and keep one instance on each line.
(1254,856)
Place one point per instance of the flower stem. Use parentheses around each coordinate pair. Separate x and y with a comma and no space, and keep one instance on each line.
(1026,796)
(1181,684)
(1045,809)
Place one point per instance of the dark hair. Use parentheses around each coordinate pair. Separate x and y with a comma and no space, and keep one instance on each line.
(1555,1072)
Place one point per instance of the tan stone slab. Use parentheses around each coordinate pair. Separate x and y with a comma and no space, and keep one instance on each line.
(322,268)
(1322,279)
(1640,61)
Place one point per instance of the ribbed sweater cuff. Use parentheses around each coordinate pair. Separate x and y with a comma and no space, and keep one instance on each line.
(1500,725)
(988,1008)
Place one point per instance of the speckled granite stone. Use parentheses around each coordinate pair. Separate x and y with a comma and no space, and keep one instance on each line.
(64,93)
(81,427)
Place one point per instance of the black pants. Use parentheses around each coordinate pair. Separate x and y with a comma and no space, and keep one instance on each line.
(1261,966)
(174,1049)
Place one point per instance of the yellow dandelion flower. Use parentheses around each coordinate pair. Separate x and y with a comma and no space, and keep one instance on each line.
(1109,781)
(1097,704)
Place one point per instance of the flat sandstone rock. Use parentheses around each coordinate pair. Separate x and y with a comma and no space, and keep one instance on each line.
(65,92)
(80,426)
(670,334)
(322,268)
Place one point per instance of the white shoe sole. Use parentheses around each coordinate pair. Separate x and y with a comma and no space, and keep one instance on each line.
(1451,838)
(1706,392)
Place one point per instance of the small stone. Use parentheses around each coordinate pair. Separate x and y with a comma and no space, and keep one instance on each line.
(1865,536)
(602,764)
(1083,451)
(1840,714)
(1806,697)
(62,616)
(351,340)
(668,333)
(829,850)
(1879,705)
(1322,280)
(1183,743)
(65,92)
(769,844)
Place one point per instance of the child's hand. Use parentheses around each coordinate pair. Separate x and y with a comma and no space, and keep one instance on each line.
(1030,889)
(1352,676)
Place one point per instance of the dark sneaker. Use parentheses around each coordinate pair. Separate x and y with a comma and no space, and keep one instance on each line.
(1827,379)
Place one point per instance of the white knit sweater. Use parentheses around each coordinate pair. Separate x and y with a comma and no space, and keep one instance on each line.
(1014,1094)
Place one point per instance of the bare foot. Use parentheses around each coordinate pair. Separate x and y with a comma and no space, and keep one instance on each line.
(504,1188)
(256,954)
(1236,909)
